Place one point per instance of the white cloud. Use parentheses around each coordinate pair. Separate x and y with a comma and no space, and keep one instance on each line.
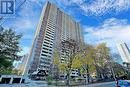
(26,21)
(111,31)
(23,24)
(100,7)
(70,2)
(77,1)
(114,22)
(25,50)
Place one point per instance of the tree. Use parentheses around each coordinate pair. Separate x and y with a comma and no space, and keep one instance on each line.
(102,57)
(126,64)
(56,62)
(9,47)
(77,64)
(118,69)
(63,68)
(69,47)
(87,60)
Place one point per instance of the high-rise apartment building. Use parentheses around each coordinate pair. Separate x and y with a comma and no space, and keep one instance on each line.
(124,51)
(54,26)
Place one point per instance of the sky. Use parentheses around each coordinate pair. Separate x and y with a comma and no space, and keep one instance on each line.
(102,20)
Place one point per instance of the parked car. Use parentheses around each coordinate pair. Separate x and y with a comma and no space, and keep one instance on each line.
(123,82)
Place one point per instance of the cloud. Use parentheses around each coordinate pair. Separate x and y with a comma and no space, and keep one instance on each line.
(25,21)
(110,32)
(100,7)
(77,1)
(28,15)
(25,50)
(70,2)
(23,25)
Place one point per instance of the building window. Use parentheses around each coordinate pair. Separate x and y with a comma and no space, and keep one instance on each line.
(44,51)
(44,55)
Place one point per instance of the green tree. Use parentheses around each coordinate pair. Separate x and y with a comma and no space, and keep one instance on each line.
(102,57)
(77,64)
(87,59)
(70,48)
(56,62)
(9,47)
(126,64)
(63,68)
(119,70)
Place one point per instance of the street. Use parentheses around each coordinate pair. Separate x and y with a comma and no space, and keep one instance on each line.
(105,84)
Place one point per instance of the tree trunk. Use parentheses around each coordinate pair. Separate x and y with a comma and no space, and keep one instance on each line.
(113,73)
(68,79)
(87,75)
(57,75)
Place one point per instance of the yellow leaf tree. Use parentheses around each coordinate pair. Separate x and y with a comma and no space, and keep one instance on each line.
(56,62)
(77,64)
(102,57)
(87,60)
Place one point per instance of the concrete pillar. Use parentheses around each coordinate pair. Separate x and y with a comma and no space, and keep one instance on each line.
(11,80)
(0,79)
(21,80)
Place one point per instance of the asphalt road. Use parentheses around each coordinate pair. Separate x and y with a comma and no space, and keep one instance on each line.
(105,84)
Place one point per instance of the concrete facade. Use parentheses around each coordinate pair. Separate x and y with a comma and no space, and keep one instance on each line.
(10,79)
(54,26)
(124,51)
